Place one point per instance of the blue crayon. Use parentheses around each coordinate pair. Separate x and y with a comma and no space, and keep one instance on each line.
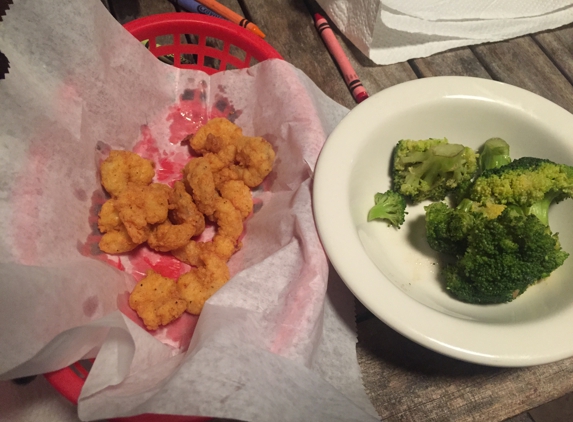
(195,7)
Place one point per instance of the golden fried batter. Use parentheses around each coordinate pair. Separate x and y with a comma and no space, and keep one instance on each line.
(108,217)
(228,219)
(199,178)
(255,157)
(121,168)
(166,236)
(224,175)
(218,127)
(156,300)
(117,241)
(221,246)
(199,284)
(139,206)
(224,148)
(184,209)
(239,194)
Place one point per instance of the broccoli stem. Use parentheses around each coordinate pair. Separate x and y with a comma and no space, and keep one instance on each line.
(465,205)
(541,209)
(494,154)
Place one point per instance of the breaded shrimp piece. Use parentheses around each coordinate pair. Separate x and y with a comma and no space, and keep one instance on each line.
(239,194)
(199,179)
(121,168)
(224,149)
(156,300)
(216,164)
(225,174)
(221,246)
(166,236)
(255,157)
(228,219)
(117,241)
(219,127)
(184,210)
(199,284)
(140,206)
(108,217)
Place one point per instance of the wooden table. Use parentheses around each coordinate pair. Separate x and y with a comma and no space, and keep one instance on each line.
(405,381)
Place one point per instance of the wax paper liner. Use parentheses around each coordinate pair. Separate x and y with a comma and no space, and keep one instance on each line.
(273,343)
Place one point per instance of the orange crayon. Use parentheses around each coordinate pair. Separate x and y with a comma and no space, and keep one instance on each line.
(232,16)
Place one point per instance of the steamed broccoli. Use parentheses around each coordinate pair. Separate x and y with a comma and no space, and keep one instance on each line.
(499,236)
(528,185)
(496,257)
(494,153)
(389,206)
(430,169)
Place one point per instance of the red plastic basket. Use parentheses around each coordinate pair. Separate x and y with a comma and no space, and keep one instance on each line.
(193,41)
(201,42)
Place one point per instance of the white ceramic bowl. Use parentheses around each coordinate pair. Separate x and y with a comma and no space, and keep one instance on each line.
(394,273)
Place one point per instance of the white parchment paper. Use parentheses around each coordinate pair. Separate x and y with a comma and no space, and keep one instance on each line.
(277,342)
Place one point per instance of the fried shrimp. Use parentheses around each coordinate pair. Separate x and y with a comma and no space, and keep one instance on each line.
(239,194)
(225,149)
(156,300)
(108,217)
(255,157)
(184,210)
(221,246)
(184,222)
(199,179)
(117,241)
(140,206)
(122,168)
(199,284)
(228,219)
(224,175)
(167,236)
(225,130)
(216,187)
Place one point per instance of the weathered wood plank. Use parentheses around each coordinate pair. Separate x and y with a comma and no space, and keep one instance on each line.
(407,382)
(458,62)
(128,10)
(558,410)
(523,417)
(558,45)
(522,63)
(289,28)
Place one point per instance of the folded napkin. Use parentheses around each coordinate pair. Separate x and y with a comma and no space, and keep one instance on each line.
(391,31)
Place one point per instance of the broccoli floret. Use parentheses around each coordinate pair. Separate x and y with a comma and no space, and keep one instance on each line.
(493,154)
(389,206)
(531,184)
(447,228)
(430,169)
(496,257)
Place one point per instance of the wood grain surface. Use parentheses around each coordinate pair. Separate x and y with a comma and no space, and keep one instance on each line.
(405,381)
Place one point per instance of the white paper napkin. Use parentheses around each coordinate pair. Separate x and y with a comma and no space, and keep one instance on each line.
(472,9)
(391,31)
